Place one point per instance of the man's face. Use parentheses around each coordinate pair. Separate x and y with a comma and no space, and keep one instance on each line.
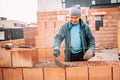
(74,19)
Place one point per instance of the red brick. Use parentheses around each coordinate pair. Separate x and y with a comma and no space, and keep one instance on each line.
(49,29)
(100,73)
(12,74)
(41,29)
(49,53)
(62,45)
(40,42)
(116,72)
(1,76)
(5,58)
(41,59)
(62,54)
(50,59)
(77,73)
(24,57)
(49,42)
(39,34)
(33,73)
(58,25)
(41,52)
(54,73)
(29,36)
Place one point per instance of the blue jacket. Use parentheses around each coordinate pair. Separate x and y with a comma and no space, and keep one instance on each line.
(87,38)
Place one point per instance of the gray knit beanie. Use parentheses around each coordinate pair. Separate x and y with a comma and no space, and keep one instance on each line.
(75,11)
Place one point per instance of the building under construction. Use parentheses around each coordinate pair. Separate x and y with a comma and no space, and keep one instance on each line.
(31,57)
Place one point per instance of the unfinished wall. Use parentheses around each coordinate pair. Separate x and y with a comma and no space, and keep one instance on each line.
(50,22)
(106,37)
(98,70)
(45,33)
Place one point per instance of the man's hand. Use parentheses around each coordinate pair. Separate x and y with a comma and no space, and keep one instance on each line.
(88,54)
(56,53)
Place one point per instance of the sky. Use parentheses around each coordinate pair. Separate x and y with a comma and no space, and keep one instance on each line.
(22,10)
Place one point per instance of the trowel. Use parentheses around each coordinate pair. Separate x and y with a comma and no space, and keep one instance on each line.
(61,64)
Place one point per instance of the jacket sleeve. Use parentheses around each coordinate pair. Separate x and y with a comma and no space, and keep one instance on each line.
(91,39)
(59,38)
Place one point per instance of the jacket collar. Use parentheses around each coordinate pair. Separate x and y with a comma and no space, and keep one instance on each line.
(80,21)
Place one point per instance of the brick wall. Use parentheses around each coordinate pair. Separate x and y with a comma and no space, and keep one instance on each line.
(106,37)
(109,28)
(44,39)
(89,71)
(19,64)
(119,38)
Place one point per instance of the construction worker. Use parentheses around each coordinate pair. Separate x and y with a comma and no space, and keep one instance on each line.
(78,38)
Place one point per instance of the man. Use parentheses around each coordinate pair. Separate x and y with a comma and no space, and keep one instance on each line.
(78,38)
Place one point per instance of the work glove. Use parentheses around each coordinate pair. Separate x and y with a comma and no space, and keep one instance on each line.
(56,53)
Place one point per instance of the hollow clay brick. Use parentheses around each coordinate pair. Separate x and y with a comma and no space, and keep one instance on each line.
(77,73)
(5,58)
(1,76)
(12,74)
(54,73)
(116,72)
(33,73)
(49,53)
(49,29)
(40,42)
(100,73)
(49,42)
(58,25)
(24,57)
(41,52)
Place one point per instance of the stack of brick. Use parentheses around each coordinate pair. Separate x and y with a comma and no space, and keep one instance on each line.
(52,15)
(44,39)
(18,57)
(29,36)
